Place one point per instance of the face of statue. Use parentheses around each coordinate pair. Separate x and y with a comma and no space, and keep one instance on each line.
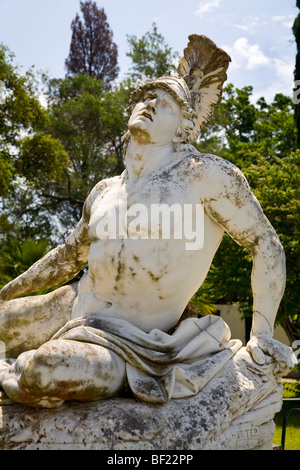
(155,119)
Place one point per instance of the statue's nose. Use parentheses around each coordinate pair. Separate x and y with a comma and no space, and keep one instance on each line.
(152,105)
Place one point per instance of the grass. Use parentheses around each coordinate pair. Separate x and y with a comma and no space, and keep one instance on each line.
(292,437)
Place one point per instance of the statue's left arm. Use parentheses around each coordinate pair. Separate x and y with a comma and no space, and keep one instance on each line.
(236,209)
(57,267)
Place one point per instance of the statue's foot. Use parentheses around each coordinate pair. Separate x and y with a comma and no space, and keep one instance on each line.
(4,367)
(4,400)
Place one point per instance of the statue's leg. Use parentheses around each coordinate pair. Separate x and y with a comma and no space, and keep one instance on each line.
(28,322)
(62,370)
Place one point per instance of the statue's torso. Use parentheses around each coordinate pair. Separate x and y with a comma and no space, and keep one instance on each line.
(148,281)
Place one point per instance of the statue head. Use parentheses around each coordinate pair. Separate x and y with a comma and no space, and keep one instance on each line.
(197,88)
(177,88)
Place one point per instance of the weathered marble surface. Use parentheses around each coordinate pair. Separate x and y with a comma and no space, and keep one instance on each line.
(147,281)
(225,415)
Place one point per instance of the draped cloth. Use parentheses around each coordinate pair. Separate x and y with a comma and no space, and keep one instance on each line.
(160,366)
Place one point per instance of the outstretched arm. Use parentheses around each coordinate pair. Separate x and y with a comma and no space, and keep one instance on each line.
(237,210)
(57,267)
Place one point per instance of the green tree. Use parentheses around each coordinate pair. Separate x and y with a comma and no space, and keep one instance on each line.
(276,185)
(151,56)
(20,112)
(92,49)
(16,257)
(240,129)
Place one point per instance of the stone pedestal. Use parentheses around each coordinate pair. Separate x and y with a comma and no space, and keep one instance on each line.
(235,413)
(124,425)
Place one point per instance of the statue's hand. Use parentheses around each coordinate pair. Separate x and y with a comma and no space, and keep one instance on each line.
(263,345)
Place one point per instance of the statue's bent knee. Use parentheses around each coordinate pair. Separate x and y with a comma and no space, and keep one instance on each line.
(72,370)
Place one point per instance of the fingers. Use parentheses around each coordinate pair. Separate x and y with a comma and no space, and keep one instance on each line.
(282,353)
(285,361)
(283,366)
(281,369)
(264,345)
(256,352)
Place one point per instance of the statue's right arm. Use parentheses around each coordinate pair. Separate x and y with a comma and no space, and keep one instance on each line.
(58,266)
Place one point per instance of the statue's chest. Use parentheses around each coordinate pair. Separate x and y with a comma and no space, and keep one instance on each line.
(138,210)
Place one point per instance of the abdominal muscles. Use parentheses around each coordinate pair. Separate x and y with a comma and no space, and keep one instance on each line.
(146,282)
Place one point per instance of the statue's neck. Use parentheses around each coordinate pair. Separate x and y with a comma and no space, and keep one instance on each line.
(141,160)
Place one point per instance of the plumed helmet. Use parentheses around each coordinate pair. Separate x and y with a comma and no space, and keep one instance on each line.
(197,87)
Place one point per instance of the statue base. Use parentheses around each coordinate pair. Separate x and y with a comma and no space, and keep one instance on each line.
(234,411)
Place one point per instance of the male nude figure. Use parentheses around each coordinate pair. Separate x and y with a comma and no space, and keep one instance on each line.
(147,282)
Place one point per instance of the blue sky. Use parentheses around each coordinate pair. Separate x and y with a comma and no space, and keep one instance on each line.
(256,33)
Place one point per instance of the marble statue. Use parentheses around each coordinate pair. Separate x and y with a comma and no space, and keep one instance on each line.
(119,325)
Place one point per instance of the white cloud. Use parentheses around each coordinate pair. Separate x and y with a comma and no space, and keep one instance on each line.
(278,18)
(241,26)
(282,82)
(249,57)
(246,55)
(284,67)
(284,75)
(207,6)
(250,23)
(288,24)
(286,20)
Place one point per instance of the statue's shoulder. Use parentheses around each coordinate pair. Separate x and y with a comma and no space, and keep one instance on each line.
(217,175)
(106,183)
(99,188)
(209,163)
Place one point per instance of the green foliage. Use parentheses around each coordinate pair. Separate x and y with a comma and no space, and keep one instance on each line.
(201,305)
(241,130)
(21,114)
(292,438)
(6,171)
(42,159)
(291,389)
(16,257)
(151,56)
(274,129)
(229,276)
(276,185)
(20,111)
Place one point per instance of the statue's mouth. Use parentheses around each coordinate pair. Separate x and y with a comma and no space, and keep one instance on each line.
(147,115)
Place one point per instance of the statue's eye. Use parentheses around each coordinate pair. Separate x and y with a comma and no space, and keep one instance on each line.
(149,97)
(168,104)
